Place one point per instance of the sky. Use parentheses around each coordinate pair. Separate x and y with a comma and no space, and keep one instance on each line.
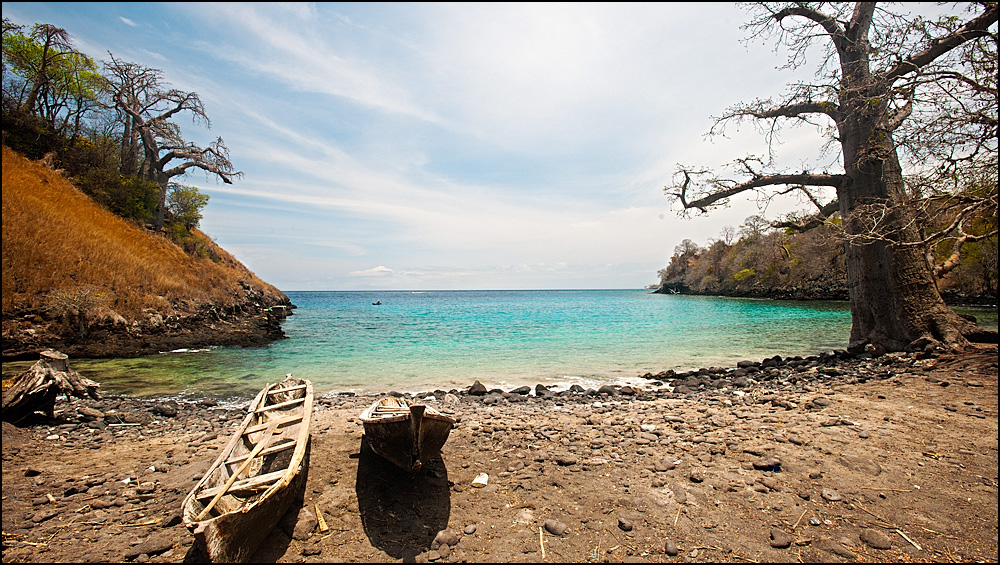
(452,146)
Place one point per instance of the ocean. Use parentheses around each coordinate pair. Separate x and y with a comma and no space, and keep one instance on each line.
(425,340)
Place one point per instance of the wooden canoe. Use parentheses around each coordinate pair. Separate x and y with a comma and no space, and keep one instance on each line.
(408,435)
(258,475)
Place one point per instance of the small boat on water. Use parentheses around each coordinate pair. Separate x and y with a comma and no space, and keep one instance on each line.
(258,475)
(408,435)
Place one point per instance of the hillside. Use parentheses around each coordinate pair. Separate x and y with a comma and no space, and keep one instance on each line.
(90,284)
(805,266)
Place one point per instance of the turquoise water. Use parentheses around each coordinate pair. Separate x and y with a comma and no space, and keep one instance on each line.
(416,341)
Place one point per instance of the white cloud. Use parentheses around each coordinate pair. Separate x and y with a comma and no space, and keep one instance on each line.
(379,271)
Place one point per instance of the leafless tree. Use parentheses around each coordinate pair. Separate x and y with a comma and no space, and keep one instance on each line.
(728,234)
(146,109)
(877,71)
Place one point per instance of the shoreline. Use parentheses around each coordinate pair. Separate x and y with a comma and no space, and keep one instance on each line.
(564,385)
(838,367)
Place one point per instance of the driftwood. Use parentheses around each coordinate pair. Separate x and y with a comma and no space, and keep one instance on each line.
(37,388)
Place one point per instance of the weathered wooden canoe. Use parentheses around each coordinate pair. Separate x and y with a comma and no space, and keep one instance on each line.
(258,475)
(408,435)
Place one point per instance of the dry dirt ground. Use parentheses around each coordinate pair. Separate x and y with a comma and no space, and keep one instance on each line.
(891,459)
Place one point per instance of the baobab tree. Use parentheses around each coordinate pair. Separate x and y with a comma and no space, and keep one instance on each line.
(878,77)
(146,109)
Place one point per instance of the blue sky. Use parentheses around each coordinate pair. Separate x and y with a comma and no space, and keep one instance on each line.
(451,146)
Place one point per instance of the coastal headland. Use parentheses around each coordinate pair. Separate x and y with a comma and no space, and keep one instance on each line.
(830,458)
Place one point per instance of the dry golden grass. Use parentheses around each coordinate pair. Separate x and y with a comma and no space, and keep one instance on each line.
(55,238)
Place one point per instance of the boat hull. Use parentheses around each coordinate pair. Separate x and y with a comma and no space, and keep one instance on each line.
(406,435)
(235,536)
(258,476)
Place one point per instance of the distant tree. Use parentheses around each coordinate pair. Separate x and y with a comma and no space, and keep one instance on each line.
(687,248)
(146,108)
(880,70)
(46,77)
(186,203)
(727,235)
(753,227)
(39,55)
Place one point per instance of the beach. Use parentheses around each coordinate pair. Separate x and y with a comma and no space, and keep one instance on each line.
(825,458)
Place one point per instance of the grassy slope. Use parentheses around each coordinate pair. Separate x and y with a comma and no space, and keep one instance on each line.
(56,238)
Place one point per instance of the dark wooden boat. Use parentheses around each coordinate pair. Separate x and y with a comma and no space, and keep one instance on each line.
(258,475)
(408,435)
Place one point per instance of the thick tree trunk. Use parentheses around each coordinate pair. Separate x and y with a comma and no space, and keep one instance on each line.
(160,214)
(895,303)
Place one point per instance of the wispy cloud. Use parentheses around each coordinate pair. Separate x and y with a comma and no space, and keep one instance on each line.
(289,46)
(449,145)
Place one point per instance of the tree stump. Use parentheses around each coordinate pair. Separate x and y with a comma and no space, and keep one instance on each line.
(36,389)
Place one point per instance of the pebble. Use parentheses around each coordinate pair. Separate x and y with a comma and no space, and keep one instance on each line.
(835,548)
(670,548)
(446,537)
(663,465)
(305,525)
(555,527)
(767,464)
(566,460)
(770,482)
(152,546)
(470,529)
(831,495)
(624,524)
(875,539)
(780,539)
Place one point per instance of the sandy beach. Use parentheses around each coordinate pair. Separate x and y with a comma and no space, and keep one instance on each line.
(824,459)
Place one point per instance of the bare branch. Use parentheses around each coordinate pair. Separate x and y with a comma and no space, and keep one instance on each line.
(955,259)
(720,190)
(213,159)
(826,22)
(978,27)
(797,110)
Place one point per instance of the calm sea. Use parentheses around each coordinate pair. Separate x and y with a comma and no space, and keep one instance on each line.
(417,341)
